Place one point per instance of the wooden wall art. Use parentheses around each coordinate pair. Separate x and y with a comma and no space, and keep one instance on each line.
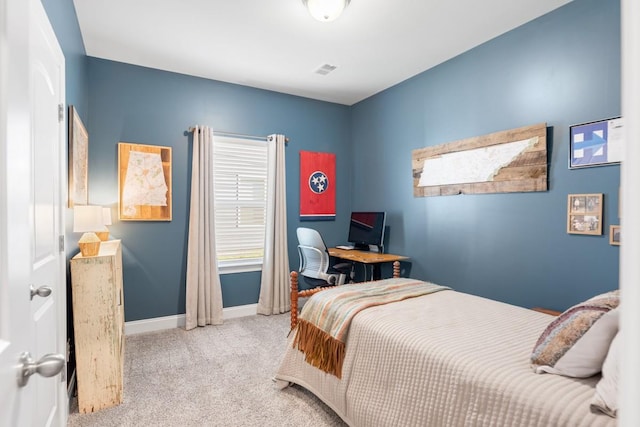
(144,182)
(78,160)
(502,162)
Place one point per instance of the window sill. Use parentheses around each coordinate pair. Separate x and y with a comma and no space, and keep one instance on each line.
(231,267)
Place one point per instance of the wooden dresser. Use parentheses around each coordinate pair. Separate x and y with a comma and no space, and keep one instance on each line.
(98,322)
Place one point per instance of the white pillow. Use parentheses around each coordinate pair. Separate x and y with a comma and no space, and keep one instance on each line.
(605,398)
(576,343)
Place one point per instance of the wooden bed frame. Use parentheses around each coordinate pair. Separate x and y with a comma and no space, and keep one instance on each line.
(295,294)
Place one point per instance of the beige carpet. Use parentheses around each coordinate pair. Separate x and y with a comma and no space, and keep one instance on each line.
(211,376)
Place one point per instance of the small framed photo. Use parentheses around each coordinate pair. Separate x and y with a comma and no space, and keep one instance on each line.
(584,214)
(614,235)
(596,143)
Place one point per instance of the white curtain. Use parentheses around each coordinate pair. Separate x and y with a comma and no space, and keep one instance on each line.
(204,294)
(274,285)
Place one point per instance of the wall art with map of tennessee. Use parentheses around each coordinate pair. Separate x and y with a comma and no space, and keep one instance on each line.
(508,161)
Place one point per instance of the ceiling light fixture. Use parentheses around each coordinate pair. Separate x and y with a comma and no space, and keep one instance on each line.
(326,10)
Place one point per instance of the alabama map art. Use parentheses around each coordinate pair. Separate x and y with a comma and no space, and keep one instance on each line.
(144,182)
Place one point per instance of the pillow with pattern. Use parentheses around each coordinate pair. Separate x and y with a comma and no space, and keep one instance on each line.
(576,343)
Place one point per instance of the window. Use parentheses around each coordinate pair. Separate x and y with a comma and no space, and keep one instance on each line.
(240,195)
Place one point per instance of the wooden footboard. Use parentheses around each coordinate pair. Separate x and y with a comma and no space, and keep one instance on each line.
(295,294)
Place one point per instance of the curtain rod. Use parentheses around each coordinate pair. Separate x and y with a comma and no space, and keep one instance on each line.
(222,133)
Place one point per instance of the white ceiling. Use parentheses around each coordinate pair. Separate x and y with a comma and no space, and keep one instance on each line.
(277,45)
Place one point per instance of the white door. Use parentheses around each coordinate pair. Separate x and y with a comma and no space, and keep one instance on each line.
(47,261)
(31,212)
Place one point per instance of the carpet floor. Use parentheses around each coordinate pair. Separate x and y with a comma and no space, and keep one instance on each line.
(211,376)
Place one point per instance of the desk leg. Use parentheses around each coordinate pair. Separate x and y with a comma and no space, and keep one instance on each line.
(377,271)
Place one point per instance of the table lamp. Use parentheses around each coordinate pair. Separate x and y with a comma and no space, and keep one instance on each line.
(87,219)
(103,233)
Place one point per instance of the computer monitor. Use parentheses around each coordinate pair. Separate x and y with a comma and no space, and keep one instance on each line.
(367,228)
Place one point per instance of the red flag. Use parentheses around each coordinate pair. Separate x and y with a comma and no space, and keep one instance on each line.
(317,186)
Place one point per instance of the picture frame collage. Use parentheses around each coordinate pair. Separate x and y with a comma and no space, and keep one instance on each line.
(584,214)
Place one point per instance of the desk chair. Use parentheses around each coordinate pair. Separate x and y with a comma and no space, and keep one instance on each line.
(314,260)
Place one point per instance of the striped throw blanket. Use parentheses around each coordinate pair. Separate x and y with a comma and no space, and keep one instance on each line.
(323,324)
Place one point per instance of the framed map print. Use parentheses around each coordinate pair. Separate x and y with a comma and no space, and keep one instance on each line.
(144,182)
(78,160)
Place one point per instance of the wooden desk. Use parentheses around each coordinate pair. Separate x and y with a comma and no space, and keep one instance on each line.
(365,257)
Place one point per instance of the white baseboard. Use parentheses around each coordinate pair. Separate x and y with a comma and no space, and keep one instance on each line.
(178,321)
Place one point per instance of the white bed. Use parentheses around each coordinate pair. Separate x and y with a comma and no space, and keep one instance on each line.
(445,359)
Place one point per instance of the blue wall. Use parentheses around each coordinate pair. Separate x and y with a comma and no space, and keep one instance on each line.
(146,106)
(562,69)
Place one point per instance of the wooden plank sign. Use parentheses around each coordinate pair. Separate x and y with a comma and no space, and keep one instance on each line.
(508,161)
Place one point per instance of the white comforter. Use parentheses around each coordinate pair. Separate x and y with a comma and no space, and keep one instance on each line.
(445,359)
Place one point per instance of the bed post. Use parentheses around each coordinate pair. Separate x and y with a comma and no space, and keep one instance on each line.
(294,299)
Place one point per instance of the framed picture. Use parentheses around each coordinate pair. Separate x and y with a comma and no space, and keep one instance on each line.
(144,182)
(584,214)
(614,235)
(78,160)
(596,143)
(317,186)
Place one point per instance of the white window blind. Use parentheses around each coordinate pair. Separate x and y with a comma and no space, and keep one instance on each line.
(240,194)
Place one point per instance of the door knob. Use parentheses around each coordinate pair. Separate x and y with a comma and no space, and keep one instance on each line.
(48,366)
(42,291)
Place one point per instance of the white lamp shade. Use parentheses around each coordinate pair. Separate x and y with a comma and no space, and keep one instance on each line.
(87,218)
(106,216)
(326,10)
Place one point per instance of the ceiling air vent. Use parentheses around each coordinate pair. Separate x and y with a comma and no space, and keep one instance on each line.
(325,69)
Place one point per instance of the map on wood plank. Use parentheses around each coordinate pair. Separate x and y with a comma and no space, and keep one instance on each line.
(144,182)
(508,161)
